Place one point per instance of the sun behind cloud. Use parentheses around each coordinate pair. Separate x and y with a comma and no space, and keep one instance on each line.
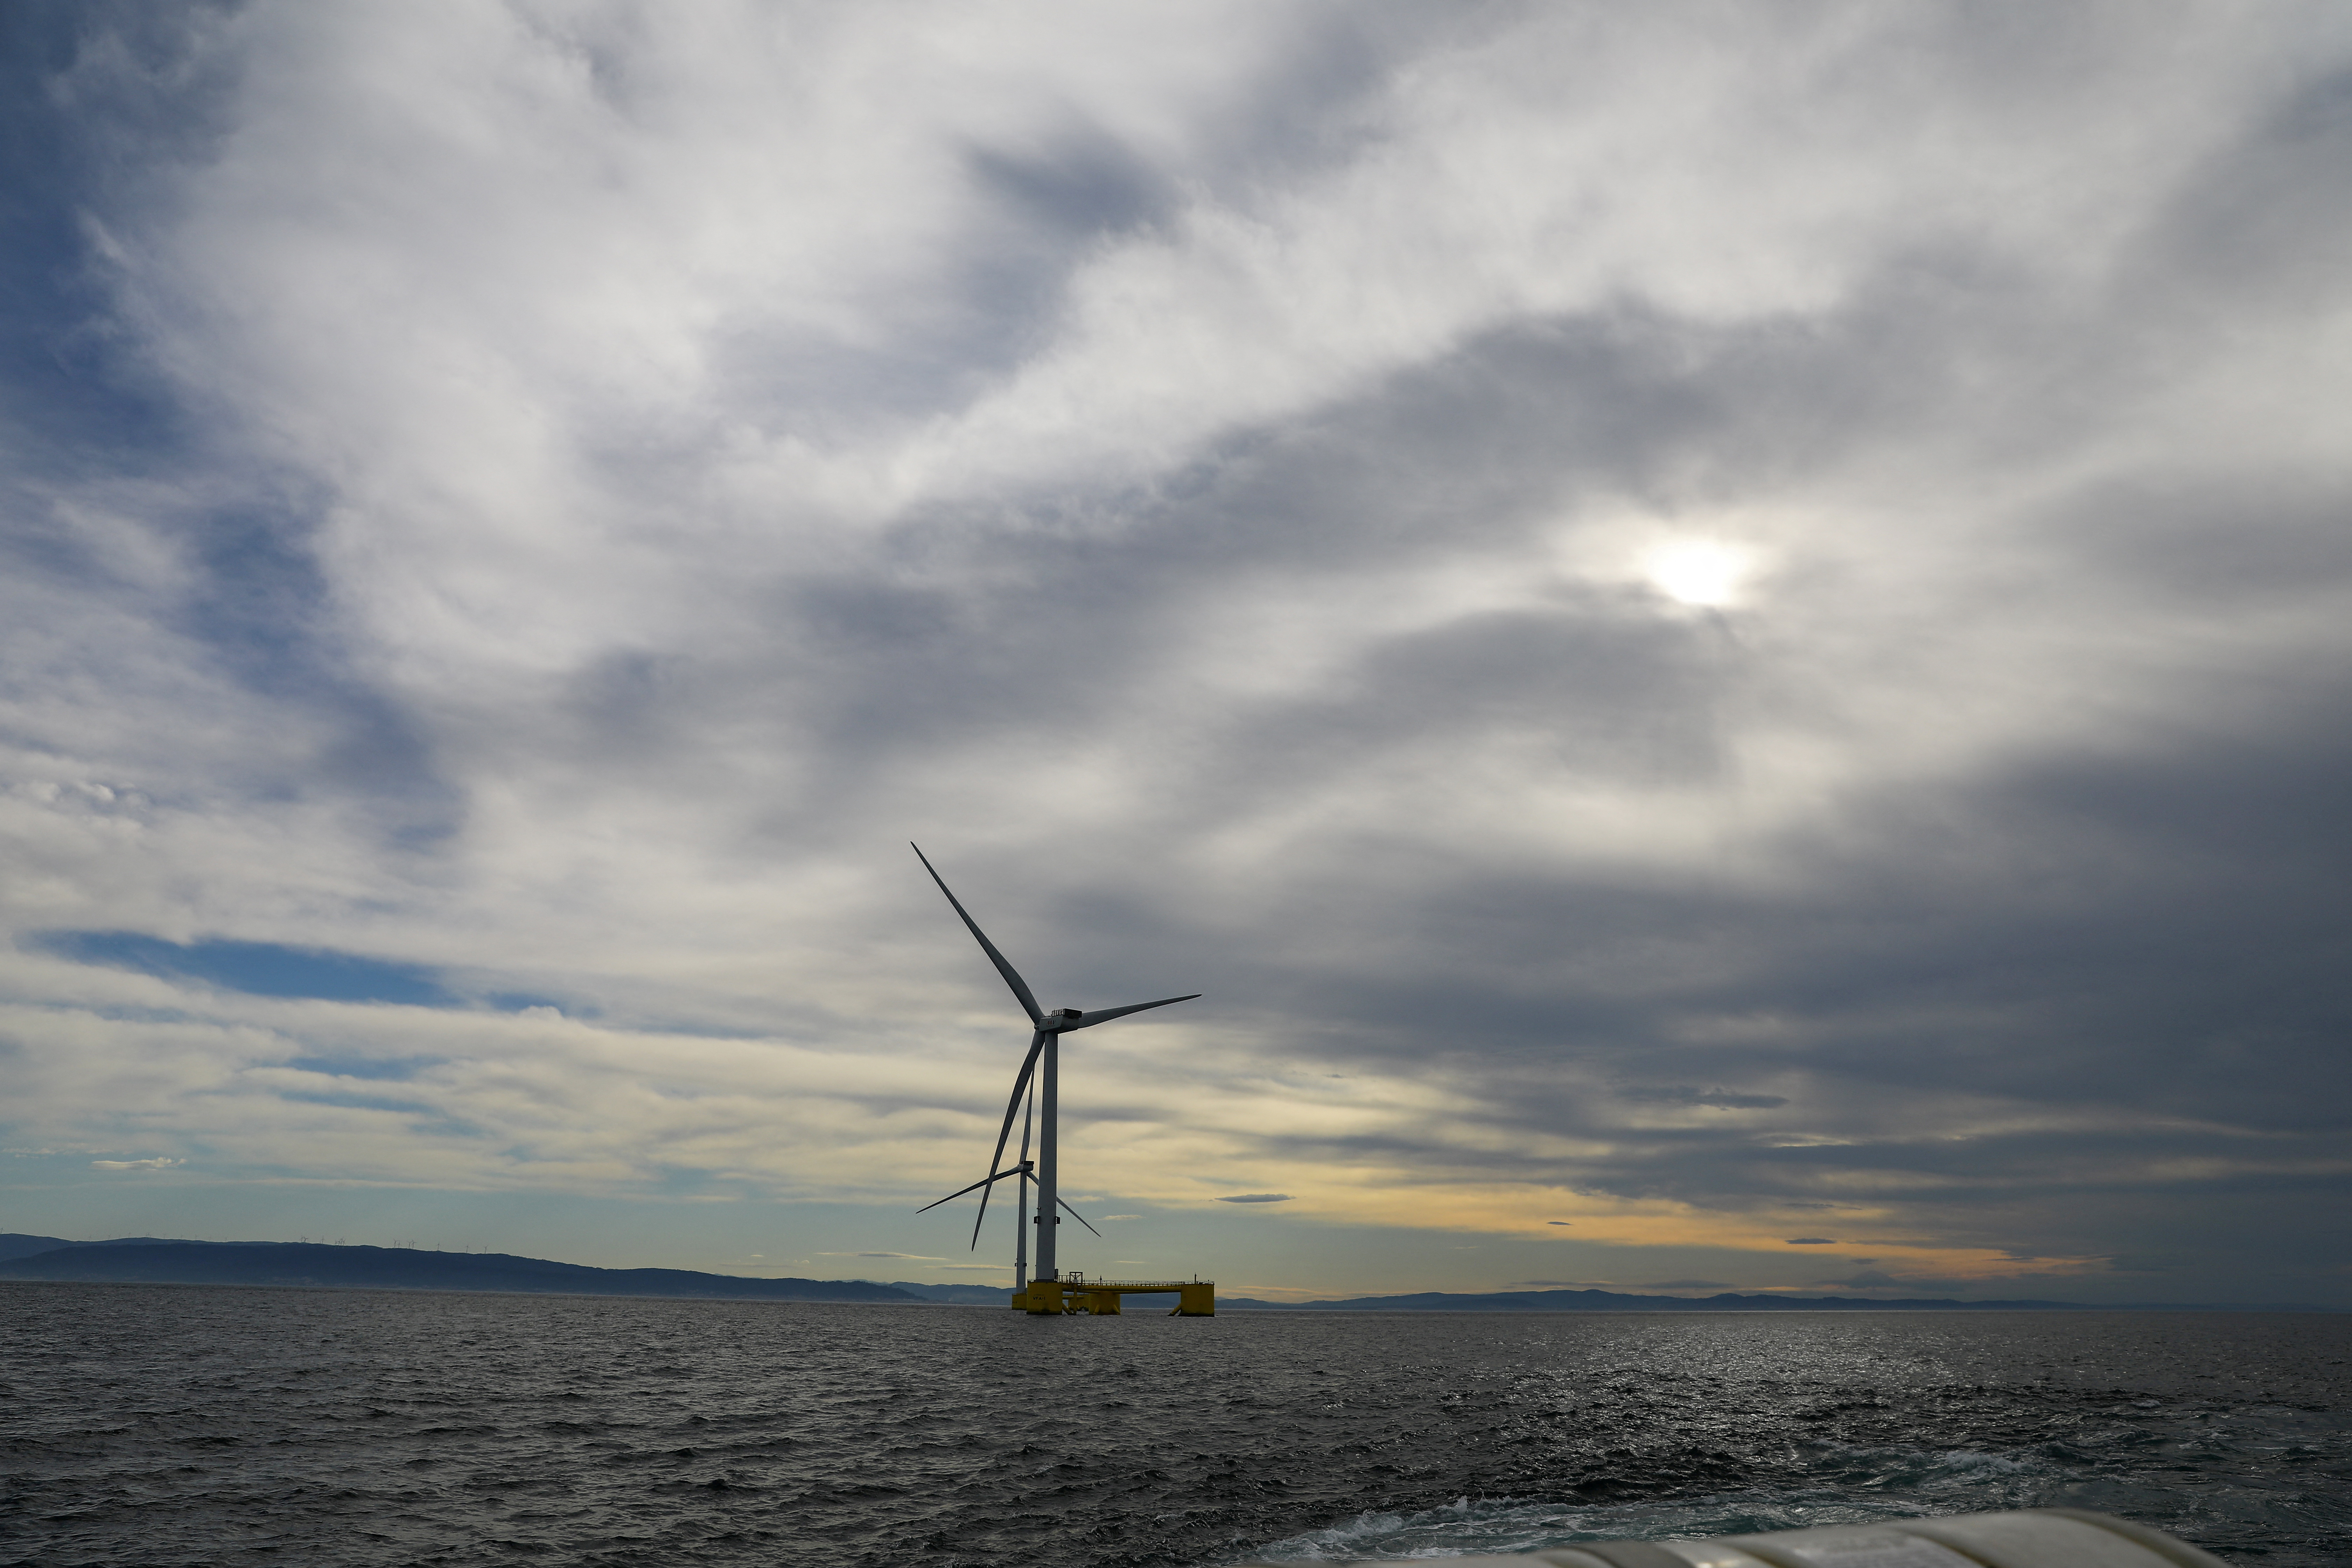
(1710,574)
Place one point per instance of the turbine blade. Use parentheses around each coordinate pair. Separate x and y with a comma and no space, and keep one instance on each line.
(1020,1083)
(1012,975)
(960,1192)
(1077,1215)
(1089,1020)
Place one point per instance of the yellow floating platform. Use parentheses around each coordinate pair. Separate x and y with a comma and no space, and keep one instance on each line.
(1100,1298)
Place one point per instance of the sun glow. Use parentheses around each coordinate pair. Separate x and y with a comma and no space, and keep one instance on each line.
(1704,572)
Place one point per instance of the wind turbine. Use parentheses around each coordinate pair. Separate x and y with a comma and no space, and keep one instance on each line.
(1049,1027)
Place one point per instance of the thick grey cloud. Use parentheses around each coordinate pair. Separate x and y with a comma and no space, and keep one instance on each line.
(1725,624)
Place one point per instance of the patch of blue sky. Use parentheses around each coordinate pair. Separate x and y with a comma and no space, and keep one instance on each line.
(381,1069)
(256,968)
(137,1014)
(65,378)
(355,1100)
(688,1029)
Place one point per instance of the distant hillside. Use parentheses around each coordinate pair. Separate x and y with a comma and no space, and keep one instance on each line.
(152,1260)
(1610,1301)
(398,1268)
(13,1245)
(957,1295)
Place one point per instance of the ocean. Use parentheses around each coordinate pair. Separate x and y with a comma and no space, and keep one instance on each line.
(168,1426)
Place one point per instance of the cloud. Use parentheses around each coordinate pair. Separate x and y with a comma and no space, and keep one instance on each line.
(1810,1241)
(1113,1217)
(155,1164)
(909,1256)
(1257,1198)
(1556,1222)
(1689,1285)
(1695,663)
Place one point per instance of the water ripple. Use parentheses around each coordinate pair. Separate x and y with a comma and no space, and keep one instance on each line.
(198,1427)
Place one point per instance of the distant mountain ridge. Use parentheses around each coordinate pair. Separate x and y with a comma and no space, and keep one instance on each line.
(957,1295)
(156,1260)
(146,1261)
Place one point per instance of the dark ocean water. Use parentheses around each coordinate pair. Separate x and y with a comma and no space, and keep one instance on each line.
(162,1425)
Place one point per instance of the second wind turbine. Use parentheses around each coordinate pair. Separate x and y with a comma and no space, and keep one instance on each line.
(1048,1029)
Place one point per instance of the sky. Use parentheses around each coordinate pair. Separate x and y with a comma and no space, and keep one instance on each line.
(1718,634)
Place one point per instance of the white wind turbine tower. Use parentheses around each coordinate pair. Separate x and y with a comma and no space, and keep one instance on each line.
(1049,1027)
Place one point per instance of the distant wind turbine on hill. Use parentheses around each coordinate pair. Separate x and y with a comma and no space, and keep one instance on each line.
(1048,1029)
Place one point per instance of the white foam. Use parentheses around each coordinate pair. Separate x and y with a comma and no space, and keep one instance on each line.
(1902,1483)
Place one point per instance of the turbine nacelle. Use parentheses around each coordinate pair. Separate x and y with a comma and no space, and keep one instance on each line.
(1062,1020)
